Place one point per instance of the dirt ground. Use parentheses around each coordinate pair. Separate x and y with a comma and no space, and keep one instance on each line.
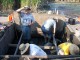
(39,17)
(3,19)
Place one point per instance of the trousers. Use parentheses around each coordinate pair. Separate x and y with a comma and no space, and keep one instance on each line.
(26,30)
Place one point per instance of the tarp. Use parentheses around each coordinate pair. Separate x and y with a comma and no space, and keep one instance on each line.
(6,39)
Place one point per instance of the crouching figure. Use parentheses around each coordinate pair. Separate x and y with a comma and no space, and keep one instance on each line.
(68,49)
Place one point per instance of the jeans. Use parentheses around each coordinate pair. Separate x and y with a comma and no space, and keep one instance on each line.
(26,30)
(46,32)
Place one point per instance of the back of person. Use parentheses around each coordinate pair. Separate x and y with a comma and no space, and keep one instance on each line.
(60,25)
(60,29)
(48,23)
(35,50)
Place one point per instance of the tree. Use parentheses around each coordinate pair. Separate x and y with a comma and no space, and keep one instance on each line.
(7,4)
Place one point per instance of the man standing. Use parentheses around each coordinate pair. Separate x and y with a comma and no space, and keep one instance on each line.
(47,29)
(26,21)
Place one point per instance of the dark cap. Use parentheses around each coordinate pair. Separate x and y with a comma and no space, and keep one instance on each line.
(27,8)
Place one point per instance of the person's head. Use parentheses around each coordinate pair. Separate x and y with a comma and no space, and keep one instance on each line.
(27,9)
(24,48)
(74,49)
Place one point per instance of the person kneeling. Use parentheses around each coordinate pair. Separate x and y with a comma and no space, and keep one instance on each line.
(31,49)
(68,49)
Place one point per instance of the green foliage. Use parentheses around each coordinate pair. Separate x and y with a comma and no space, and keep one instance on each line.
(29,2)
(32,3)
(23,2)
(7,4)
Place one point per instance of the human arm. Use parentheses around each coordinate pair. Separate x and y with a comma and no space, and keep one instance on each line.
(54,26)
(19,10)
(32,20)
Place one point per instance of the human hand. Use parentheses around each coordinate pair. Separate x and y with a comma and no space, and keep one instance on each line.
(60,52)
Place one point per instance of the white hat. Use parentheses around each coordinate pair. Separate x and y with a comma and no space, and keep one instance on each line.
(23,48)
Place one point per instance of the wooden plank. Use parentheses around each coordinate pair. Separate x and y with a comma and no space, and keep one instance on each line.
(43,47)
(47,47)
(44,57)
(70,28)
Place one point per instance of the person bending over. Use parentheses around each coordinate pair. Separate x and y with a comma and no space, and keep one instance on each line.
(47,29)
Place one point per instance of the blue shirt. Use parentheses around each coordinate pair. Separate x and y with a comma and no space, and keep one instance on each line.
(26,19)
(36,50)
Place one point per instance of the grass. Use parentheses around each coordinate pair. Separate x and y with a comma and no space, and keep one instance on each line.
(7,4)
